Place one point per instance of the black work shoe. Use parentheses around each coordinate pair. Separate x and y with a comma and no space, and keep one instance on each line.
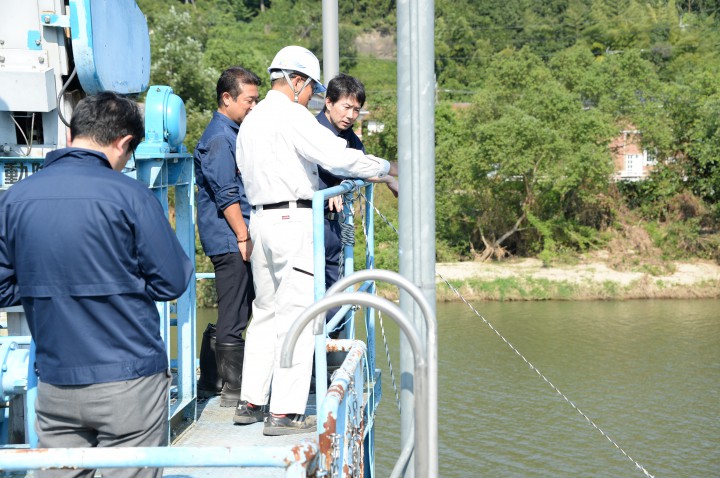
(246,414)
(290,424)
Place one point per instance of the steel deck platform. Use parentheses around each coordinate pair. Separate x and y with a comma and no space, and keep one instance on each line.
(214,427)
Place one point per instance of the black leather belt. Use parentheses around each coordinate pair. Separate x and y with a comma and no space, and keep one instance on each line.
(302,203)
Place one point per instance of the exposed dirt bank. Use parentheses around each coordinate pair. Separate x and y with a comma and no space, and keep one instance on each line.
(527,279)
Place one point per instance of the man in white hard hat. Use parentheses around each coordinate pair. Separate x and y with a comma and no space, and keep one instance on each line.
(279,148)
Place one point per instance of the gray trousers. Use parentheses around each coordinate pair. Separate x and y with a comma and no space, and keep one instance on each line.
(114,414)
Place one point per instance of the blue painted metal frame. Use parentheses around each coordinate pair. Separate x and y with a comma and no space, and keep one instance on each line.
(342,409)
(161,172)
(374,380)
(111,45)
(299,460)
(16,362)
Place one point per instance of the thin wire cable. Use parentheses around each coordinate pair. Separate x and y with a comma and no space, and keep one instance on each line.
(390,367)
(363,211)
(532,367)
(28,143)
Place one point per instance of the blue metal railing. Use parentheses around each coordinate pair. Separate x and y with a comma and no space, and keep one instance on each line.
(318,206)
(299,460)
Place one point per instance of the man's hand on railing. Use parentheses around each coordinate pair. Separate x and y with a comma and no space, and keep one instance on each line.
(335,203)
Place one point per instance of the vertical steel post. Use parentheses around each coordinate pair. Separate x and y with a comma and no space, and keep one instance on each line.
(369,464)
(416,158)
(30,397)
(331,40)
(183,178)
(319,290)
(370,264)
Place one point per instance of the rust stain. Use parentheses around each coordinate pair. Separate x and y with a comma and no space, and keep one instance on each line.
(296,452)
(302,453)
(325,441)
(336,346)
(362,447)
(337,390)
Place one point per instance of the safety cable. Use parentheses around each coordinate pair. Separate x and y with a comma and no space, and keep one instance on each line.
(517,352)
(363,211)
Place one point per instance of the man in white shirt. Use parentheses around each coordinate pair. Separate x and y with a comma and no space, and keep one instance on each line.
(278,150)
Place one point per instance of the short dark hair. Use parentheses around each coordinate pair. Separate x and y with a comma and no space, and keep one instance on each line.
(231,79)
(345,85)
(106,117)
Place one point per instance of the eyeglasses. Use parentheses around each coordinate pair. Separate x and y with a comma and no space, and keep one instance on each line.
(317,88)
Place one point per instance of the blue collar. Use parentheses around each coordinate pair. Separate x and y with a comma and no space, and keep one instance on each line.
(90,156)
(323,120)
(224,119)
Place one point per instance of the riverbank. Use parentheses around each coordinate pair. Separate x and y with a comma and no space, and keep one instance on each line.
(528,279)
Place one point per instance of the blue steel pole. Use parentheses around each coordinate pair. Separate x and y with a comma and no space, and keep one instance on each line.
(349,262)
(370,326)
(182,176)
(158,457)
(318,207)
(370,264)
(30,397)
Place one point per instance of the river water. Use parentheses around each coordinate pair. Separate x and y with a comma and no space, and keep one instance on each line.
(647,373)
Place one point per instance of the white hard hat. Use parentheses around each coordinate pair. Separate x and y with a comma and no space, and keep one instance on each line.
(299,59)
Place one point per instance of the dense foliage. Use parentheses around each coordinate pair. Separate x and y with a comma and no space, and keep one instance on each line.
(529,95)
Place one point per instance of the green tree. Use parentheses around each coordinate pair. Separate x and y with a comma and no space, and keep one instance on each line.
(531,160)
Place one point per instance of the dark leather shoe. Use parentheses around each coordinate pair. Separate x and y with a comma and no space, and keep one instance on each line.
(290,424)
(246,414)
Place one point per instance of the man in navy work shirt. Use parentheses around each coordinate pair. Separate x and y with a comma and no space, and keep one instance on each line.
(223,216)
(344,98)
(87,251)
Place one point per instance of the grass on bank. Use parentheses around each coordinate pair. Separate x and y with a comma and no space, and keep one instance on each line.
(531,289)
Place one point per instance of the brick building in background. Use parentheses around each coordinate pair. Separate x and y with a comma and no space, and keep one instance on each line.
(632,162)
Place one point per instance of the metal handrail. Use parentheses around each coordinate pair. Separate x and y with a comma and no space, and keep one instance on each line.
(341,392)
(301,455)
(430,344)
(318,221)
(421,369)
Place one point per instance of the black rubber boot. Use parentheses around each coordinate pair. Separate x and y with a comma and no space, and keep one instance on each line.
(230,363)
(209,383)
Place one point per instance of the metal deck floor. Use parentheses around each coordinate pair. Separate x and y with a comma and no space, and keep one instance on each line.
(214,427)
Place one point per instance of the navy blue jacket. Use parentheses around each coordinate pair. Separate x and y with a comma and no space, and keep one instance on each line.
(219,185)
(326,179)
(87,250)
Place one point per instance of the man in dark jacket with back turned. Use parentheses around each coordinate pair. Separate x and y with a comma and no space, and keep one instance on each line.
(87,251)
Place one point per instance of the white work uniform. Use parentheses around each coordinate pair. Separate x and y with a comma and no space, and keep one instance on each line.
(279,147)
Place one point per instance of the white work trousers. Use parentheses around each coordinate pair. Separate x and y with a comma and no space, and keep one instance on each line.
(282,266)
